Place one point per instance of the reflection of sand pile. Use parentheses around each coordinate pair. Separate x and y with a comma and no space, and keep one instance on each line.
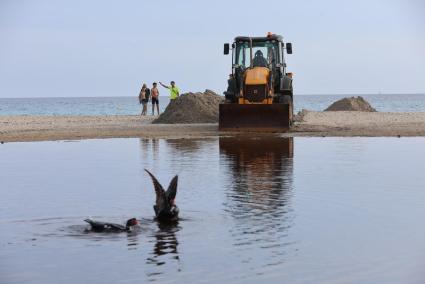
(351,104)
(192,108)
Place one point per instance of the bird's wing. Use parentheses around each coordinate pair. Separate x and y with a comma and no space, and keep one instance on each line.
(95,224)
(172,189)
(159,190)
(114,226)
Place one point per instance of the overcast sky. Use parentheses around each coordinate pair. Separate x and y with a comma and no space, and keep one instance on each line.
(109,48)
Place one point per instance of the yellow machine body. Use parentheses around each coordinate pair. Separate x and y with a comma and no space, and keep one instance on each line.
(257,76)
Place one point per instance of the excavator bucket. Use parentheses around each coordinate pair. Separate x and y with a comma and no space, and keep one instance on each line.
(254,117)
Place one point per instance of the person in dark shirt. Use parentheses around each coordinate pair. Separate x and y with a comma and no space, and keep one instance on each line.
(259,60)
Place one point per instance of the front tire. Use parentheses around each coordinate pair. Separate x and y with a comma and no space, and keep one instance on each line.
(287,99)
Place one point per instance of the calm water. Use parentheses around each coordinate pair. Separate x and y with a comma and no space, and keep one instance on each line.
(130,106)
(269,210)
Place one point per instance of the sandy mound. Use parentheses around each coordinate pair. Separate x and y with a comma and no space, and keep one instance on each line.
(351,104)
(192,108)
(299,117)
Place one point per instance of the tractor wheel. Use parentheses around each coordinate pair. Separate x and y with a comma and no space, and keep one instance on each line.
(287,99)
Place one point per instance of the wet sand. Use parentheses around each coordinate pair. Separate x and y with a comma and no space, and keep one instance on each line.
(39,128)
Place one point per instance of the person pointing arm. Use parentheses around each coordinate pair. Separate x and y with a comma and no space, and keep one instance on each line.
(165,86)
(174,91)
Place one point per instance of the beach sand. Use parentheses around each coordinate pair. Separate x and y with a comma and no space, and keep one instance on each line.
(334,123)
(355,123)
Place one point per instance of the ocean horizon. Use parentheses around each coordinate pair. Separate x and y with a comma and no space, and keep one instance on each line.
(126,105)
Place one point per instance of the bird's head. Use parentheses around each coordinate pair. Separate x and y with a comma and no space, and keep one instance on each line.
(131,222)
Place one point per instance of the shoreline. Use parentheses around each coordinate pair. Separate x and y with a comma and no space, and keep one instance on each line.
(313,124)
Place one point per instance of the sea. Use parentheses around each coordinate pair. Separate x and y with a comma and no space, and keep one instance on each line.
(130,105)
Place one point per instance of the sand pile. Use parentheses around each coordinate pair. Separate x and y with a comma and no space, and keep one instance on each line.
(299,117)
(351,104)
(192,108)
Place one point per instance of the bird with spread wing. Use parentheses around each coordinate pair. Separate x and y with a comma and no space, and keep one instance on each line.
(165,208)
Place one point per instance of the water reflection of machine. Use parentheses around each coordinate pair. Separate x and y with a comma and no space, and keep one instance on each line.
(260,169)
(258,181)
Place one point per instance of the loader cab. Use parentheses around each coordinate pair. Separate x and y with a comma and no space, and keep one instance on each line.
(262,51)
(271,47)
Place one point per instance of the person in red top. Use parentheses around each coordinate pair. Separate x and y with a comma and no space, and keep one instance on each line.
(155,98)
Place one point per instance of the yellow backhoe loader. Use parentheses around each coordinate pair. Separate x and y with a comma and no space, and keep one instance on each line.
(259,96)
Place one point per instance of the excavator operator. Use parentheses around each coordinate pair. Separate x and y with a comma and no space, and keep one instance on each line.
(259,60)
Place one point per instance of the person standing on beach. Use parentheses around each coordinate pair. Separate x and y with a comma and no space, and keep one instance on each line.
(155,98)
(144,98)
(174,91)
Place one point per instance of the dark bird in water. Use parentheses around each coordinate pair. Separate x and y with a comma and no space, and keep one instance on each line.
(97,226)
(165,207)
